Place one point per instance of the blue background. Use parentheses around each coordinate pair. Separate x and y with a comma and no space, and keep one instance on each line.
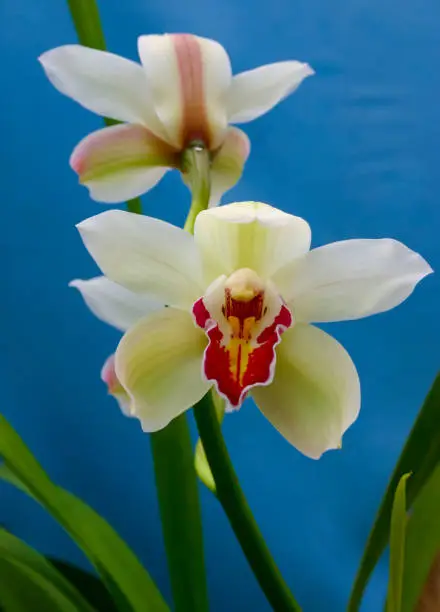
(355,151)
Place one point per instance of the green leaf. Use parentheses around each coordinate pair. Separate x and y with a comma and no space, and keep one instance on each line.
(422,542)
(13,549)
(420,456)
(200,461)
(89,585)
(129,583)
(397,547)
(23,589)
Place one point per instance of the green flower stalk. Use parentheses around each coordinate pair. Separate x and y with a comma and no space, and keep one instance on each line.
(175,475)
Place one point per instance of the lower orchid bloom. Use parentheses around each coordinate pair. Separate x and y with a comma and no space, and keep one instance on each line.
(183,92)
(241,295)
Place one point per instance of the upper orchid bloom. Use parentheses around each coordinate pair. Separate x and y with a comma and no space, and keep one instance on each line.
(183,92)
(241,294)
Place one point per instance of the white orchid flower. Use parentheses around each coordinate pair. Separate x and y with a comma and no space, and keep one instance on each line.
(241,295)
(183,92)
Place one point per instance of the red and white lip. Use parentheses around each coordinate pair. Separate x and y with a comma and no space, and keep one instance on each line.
(241,295)
(182,92)
(243,319)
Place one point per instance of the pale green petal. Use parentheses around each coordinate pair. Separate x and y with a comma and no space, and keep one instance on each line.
(315,395)
(121,162)
(249,235)
(159,364)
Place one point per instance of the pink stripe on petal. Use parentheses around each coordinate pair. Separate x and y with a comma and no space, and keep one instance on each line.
(189,78)
(195,124)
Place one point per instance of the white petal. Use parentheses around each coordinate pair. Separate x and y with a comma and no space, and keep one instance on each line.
(145,255)
(102,82)
(131,183)
(114,304)
(228,163)
(121,162)
(249,235)
(351,279)
(255,92)
(159,363)
(189,77)
(315,395)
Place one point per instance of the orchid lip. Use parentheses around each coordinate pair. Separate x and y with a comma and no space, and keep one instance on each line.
(243,334)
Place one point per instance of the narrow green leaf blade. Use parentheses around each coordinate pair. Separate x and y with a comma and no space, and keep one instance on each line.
(397,547)
(130,584)
(422,544)
(89,585)
(23,589)
(420,456)
(12,548)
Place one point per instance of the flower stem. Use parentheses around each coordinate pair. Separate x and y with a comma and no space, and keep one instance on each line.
(196,165)
(85,17)
(176,483)
(237,509)
(176,479)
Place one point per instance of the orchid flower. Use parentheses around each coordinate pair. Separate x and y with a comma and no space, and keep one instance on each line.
(183,93)
(241,295)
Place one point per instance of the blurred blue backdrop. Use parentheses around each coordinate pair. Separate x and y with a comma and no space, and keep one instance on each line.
(355,151)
